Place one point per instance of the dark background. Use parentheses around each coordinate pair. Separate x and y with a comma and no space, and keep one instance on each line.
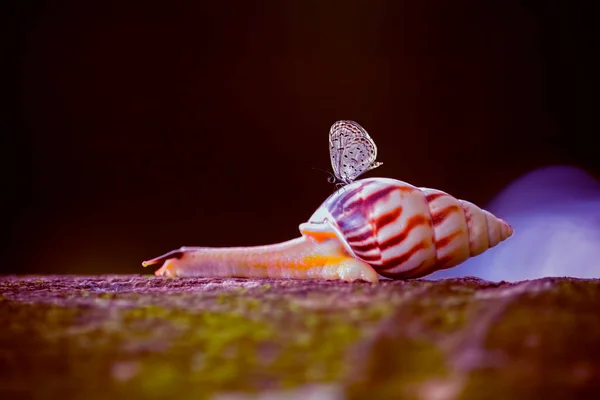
(138,127)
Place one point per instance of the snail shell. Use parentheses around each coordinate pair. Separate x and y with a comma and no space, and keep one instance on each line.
(403,231)
(369,228)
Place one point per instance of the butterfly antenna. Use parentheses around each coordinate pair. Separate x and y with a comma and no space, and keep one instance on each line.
(331,178)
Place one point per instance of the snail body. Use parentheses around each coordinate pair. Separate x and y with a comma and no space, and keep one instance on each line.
(370,228)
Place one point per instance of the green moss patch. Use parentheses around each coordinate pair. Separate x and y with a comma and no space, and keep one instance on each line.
(146,337)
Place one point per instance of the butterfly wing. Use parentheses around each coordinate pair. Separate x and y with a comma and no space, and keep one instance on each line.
(372,152)
(352,150)
(359,157)
(341,134)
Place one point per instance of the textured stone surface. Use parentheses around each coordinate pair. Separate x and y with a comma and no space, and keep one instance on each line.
(87,337)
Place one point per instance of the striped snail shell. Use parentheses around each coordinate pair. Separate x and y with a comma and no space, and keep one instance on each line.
(369,228)
(403,231)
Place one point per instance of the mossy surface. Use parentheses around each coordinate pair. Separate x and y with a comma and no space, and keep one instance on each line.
(147,337)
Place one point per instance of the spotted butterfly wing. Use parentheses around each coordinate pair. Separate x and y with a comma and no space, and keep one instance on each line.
(352,151)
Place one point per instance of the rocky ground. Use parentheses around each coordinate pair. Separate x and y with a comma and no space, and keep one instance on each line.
(138,336)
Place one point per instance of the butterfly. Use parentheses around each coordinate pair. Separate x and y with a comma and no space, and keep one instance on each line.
(352,151)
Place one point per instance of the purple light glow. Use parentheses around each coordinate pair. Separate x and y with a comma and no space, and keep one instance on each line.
(555,212)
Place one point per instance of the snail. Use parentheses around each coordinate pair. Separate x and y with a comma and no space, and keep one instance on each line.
(369,229)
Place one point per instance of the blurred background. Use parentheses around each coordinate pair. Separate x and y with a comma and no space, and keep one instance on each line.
(137,127)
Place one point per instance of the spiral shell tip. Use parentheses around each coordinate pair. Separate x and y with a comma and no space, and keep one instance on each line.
(507,230)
